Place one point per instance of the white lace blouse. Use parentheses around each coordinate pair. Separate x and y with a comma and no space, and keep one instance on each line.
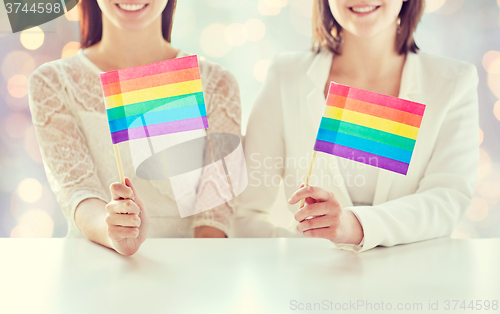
(70,120)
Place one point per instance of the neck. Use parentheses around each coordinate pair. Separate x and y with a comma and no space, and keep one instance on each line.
(372,58)
(141,46)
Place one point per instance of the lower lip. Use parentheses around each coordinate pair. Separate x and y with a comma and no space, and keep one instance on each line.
(132,13)
(364,13)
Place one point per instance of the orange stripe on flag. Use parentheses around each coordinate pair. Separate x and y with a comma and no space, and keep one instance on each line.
(374,110)
(151,81)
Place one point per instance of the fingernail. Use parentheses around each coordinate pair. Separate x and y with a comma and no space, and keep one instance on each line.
(290,200)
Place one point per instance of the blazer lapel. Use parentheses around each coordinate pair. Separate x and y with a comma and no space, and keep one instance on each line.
(317,75)
(409,90)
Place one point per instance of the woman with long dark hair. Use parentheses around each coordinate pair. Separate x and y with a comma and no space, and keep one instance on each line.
(367,45)
(69,115)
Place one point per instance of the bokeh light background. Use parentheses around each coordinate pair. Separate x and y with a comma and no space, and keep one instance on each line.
(243,36)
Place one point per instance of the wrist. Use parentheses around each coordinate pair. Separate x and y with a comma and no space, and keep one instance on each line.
(355,229)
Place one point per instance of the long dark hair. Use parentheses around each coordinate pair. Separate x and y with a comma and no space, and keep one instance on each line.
(327,31)
(91,22)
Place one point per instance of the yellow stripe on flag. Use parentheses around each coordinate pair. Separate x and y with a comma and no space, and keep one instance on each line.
(153,93)
(371,122)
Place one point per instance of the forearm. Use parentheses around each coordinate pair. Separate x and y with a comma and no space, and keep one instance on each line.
(401,220)
(90,218)
(217,219)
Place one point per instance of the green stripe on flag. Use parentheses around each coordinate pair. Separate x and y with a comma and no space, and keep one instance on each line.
(368,133)
(148,106)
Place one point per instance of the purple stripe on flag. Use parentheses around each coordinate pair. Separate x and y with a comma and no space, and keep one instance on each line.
(160,129)
(361,156)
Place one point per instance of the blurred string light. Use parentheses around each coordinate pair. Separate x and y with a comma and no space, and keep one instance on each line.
(276,3)
(29,190)
(450,7)
(32,38)
(15,104)
(256,29)
(433,5)
(236,34)
(496,110)
(70,49)
(48,200)
(260,70)
(213,42)
(17,62)
(271,7)
(481,136)
(490,190)
(491,63)
(16,125)
(478,209)
(217,39)
(18,86)
(34,223)
(484,164)
(494,83)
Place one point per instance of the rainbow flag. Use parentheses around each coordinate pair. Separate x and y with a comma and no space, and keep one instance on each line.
(371,128)
(154,99)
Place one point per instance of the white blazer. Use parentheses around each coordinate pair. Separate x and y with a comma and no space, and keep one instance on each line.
(426,203)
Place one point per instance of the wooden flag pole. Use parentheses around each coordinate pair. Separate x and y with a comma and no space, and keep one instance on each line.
(119,163)
(311,166)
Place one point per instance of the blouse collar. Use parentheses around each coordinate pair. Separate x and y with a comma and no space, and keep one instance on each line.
(97,70)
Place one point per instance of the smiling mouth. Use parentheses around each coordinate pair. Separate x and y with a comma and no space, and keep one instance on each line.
(131,7)
(364,9)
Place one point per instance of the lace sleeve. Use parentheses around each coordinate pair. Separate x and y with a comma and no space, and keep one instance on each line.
(222,97)
(66,157)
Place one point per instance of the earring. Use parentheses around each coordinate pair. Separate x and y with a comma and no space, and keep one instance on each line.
(398,23)
(336,34)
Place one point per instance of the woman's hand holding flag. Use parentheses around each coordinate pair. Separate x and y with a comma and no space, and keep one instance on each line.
(323,216)
(126,218)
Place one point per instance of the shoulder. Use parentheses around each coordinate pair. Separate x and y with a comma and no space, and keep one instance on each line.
(445,83)
(445,68)
(54,72)
(214,76)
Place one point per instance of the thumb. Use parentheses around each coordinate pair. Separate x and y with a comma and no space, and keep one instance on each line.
(136,198)
(128,183)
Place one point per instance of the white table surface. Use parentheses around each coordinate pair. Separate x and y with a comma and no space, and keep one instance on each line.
(243,276)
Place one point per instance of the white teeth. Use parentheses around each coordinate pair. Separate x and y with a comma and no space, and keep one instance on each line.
(364,9)
(131,7)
